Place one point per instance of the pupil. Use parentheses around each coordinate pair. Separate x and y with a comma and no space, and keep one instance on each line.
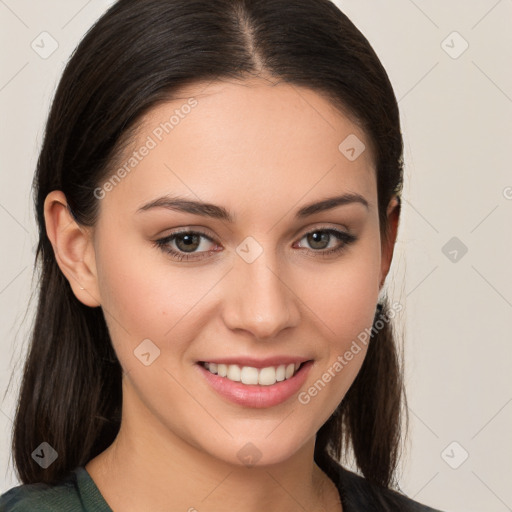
(187,240)
(317,238)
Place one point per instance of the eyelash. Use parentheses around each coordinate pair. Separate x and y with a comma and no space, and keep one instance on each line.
(163,243)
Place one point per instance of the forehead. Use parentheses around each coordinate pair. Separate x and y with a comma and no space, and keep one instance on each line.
(244,141)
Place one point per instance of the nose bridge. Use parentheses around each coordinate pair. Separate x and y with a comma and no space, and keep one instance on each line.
(261,302)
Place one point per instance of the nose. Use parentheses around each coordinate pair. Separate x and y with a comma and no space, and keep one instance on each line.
(259,299)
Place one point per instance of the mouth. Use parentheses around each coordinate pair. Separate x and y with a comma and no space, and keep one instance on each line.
(249,386)
(250,375)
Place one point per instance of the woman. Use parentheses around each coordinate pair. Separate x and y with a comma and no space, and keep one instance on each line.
(218,198)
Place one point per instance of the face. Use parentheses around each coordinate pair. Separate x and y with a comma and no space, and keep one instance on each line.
(258,278)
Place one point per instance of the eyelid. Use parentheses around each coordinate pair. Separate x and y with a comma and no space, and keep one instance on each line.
(343,236)
(213,238)
(187,229)
(326,226)
(206,232)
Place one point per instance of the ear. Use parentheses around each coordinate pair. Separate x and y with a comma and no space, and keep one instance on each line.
(73,248)
(388,243)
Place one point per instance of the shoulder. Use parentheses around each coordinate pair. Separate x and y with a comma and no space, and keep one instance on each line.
(71,494)
(42,497)
(359,494)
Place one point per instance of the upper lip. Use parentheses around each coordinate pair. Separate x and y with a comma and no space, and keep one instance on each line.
(257,363)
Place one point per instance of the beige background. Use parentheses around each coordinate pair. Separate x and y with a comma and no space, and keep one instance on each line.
(456,112)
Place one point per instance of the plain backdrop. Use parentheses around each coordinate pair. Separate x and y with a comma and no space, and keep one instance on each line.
(450,65)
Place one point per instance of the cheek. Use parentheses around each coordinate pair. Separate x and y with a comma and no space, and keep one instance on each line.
(344,306)
(345,294)
(131,294)
(146,297)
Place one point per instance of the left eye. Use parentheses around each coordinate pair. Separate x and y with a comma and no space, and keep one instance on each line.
(320,236)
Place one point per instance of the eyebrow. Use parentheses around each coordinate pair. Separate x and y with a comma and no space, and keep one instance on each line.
(221,213)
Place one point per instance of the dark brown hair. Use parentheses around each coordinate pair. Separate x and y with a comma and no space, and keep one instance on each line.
(137,55)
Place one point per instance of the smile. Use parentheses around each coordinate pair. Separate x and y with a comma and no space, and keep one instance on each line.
(253,376)
(249,386)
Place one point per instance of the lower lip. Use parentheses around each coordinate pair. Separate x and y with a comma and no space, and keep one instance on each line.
(252,395)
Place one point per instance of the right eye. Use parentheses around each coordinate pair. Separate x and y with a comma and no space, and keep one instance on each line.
(183,245)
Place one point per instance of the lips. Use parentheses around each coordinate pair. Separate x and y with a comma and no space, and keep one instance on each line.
(256,395)
(252,371)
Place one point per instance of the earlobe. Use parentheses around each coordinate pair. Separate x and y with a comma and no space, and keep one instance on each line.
(73,248)
(388,244)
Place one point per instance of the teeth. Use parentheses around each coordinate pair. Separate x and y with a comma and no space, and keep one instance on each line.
(234,373)
(249,375)
(280,373)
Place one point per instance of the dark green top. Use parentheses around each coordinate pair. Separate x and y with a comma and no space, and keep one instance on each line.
(78,493)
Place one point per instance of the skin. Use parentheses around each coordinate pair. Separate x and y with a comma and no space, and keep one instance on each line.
(262,151)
